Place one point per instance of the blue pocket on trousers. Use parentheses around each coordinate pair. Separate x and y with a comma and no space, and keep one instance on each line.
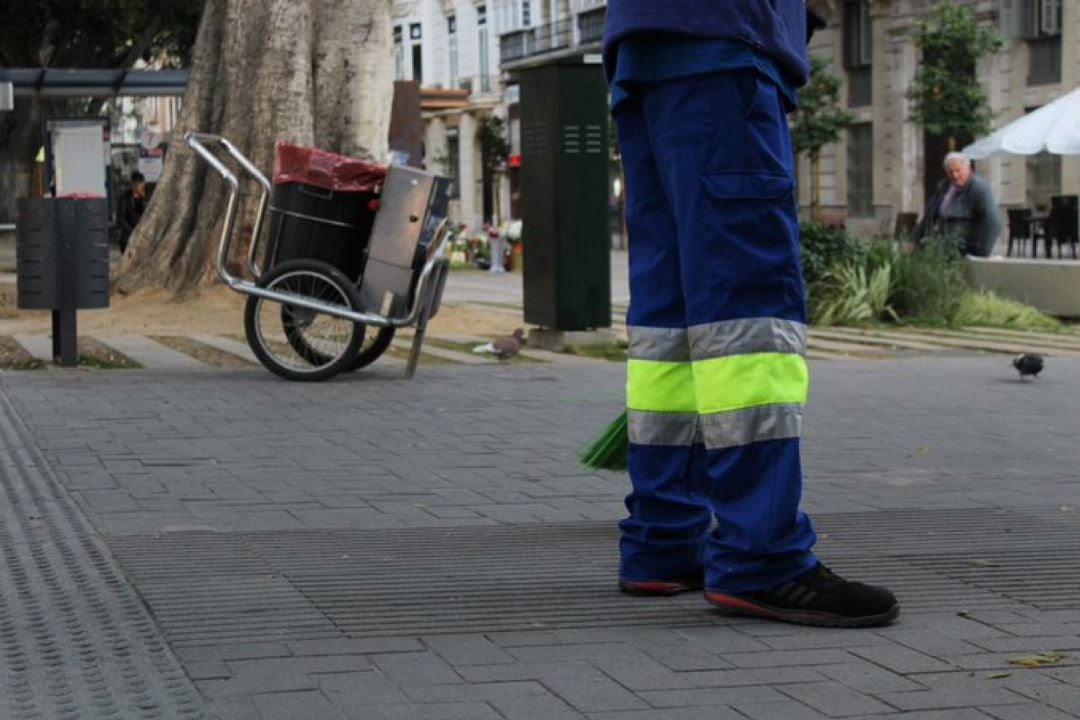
(748,186)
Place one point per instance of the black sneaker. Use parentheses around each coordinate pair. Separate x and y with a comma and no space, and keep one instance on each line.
(663,588)
(818,597)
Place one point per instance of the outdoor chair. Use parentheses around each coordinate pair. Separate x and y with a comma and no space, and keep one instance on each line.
(1061,227)
(1020,231)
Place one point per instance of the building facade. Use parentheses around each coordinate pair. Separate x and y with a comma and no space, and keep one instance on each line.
(451,48)
(476,46)
(884,165)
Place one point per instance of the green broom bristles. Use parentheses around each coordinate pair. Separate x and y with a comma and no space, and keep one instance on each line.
(608,450)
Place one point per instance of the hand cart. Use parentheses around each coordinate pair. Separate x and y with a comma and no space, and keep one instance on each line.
(306,319)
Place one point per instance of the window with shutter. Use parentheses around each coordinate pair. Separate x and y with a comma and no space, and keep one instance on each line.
(858,52)
(1049,17)
(1016,18)
(860,170)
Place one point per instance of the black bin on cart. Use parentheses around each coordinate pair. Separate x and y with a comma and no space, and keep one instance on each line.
(321,208)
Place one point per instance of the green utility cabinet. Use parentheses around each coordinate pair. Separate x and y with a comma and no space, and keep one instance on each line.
(564,196)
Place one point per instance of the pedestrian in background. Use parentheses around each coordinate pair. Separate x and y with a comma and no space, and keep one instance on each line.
(131,208)
(717,377)
(962,207)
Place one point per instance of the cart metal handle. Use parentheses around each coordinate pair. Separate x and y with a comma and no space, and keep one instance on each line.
(198,142)
(420,297)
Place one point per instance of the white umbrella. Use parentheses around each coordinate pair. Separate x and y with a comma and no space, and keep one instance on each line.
(1054,127)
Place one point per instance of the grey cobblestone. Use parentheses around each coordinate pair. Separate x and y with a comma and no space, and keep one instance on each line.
(417,669)
(293,705)
(707,697)
(713,713)
(158,454)
(835,700)
(950,690)
(464,650)
(778,710)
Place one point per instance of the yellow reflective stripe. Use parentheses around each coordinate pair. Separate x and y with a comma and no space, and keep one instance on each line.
(743,381)
(660,386)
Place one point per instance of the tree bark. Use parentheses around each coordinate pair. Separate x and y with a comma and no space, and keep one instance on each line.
(309,72)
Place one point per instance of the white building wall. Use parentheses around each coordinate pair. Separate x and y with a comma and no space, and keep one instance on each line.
(435,43)
(898,143)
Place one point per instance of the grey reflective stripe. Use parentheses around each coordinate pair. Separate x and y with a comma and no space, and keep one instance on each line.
(657,428)
(747,335)
(656,343)
(742,427)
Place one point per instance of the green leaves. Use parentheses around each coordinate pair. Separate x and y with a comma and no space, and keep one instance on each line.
(850,281)
(95,33)
(948,100)
(851,294)
(819,119)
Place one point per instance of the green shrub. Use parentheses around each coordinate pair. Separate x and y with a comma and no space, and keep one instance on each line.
(928,283)
(824,248)
(981,307)
(850,281)
(851,294)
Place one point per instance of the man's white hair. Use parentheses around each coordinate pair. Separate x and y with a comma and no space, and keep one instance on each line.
(955,156)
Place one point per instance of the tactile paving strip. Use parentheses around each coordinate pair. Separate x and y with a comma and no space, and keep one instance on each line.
(214,588)
(75,639)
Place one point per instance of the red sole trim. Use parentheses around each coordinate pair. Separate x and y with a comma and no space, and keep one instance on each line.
(654,587)
(739,606)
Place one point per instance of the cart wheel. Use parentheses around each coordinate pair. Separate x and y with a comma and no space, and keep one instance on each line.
(298,343)
(375,342)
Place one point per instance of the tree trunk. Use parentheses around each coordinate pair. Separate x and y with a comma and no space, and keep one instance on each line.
(309,72)
(18,131)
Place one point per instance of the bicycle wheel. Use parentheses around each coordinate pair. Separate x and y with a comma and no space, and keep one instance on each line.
(299,343)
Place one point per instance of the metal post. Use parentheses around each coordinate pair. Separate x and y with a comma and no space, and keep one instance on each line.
(65,335)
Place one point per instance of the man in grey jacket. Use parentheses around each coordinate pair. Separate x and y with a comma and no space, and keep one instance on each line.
(963,207)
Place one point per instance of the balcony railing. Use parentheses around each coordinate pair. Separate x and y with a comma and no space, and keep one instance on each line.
(526,42)
(580,6)
(516,45)
(554,36)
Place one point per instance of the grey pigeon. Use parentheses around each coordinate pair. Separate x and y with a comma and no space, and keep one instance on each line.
(1028,365)
(504,347)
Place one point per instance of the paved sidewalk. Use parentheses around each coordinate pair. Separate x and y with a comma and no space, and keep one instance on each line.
(376,548)
(201,542)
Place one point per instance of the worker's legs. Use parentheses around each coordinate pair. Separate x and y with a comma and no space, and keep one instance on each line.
(663,535)
(722,148)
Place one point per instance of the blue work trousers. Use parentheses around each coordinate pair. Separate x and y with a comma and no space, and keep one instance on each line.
(713,237)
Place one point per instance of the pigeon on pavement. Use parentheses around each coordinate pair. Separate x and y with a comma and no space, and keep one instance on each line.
(1028,365)
(504,347)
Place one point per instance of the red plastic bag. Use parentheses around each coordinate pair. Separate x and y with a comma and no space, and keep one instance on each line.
(327,170)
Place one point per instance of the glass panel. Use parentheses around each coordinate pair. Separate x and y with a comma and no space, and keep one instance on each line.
(1043,181)
(485,70)
(860,170)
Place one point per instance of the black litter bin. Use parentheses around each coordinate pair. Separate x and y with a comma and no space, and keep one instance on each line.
(321,207)
(62,262)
